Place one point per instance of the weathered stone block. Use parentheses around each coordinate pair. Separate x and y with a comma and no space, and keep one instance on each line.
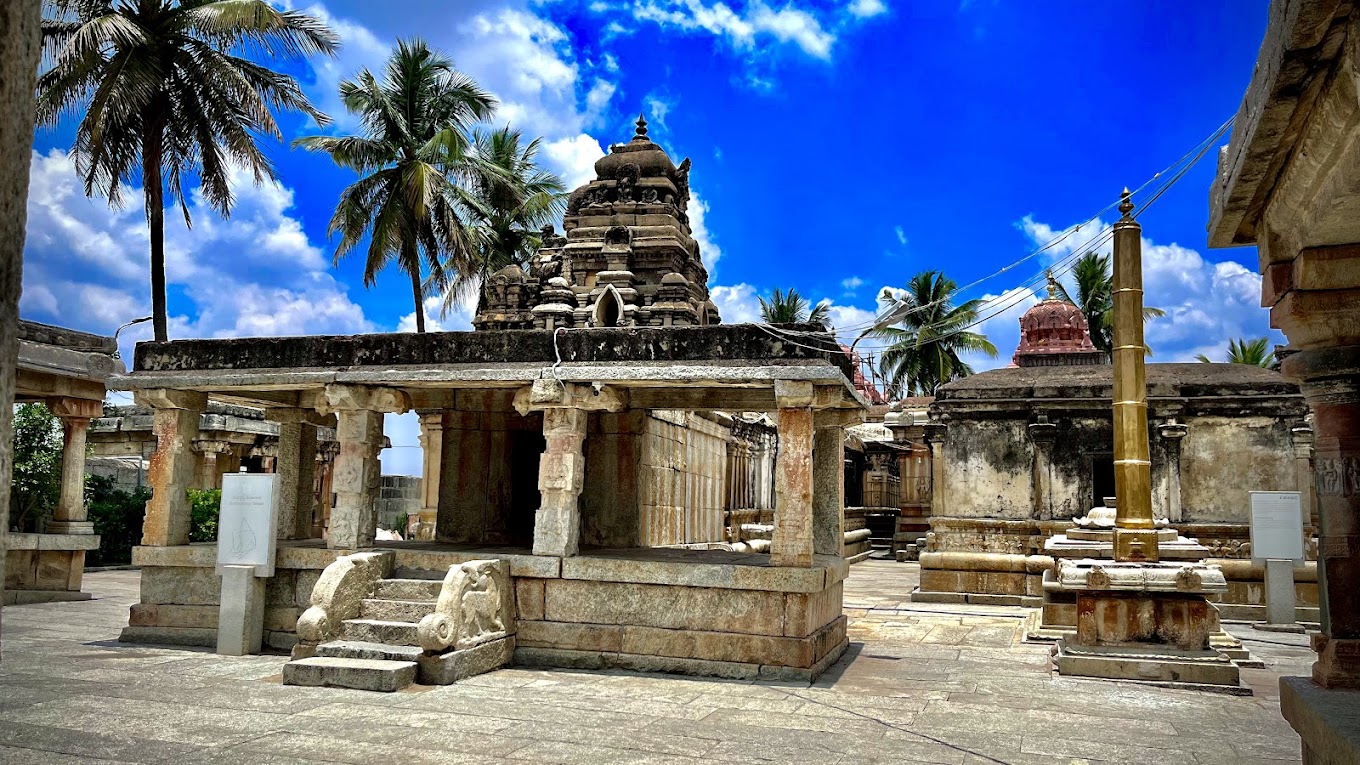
(804,614)
(580,637)
(759,613)
(180,586)
(529,598)
(360,674)
(718,646)
(452,666)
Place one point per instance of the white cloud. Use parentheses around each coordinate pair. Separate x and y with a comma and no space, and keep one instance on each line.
(658,108)
(709,251)
(744,29)
(737,304)
(1208,303)
(85,264)
(901,235)
(864,9)
(573,158)
(457,320)
(852,283)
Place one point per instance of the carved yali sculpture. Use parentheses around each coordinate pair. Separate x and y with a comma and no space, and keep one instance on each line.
(475,606)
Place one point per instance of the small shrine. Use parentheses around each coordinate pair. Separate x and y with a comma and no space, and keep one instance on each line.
(628,258)
(1055,333)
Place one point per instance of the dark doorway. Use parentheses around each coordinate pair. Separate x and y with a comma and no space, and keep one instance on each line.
(1102,479)
(526,449)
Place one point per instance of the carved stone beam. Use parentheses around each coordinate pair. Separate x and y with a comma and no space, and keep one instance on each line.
(549,393)
(291,415)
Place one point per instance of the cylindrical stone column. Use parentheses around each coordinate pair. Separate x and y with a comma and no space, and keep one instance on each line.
(75,415)
(1135,535)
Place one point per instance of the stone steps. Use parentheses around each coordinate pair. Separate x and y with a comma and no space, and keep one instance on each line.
(395,610)
(381,631)
(359,649)
(408,589)
(359,674)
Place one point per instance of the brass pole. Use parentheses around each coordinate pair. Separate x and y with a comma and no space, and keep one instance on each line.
(1135,535)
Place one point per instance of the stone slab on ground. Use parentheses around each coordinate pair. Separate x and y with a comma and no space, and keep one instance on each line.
(359,674)
(451,666)
(1148,664)
(917,683)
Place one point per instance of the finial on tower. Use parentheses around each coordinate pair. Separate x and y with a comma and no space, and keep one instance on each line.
(641,127)
(1126,202)
(1052,285)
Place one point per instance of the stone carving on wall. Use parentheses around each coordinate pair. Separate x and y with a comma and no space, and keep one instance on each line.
(475,606)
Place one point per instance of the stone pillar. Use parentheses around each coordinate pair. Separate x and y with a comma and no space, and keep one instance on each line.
(432,446)
(209,467)
(561,475)
(828,491)
(1172,433)
(296,470)
(1302,437)
(1042,434)
(793,537)
(20,40)
(325,458)
(1330,380)
(357,472)
(175,424)
(75,414)
(935,434)
(561,471)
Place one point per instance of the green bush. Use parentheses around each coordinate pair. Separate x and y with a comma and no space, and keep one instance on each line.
(117,516)
(205,505)
(36,479)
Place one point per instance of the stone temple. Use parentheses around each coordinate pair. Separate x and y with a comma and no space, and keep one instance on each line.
(564,479)
(627,260)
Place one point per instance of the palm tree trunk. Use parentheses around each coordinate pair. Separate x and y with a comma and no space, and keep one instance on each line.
(153,188)
(410,256)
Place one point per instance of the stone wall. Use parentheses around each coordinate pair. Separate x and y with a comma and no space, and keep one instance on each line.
(398,498)
(683,480)
(1222,458)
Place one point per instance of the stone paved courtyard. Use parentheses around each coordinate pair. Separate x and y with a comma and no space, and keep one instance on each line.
(920,683)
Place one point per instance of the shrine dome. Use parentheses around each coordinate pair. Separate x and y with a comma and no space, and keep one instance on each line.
(1055,333)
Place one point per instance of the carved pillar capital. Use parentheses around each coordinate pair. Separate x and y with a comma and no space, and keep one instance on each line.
(166,398)
(550,393)
(211,446)
(68,408)
(1173,432)
(338,398)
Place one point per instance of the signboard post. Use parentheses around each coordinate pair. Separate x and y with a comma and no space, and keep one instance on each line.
(1277,540)
(246,534)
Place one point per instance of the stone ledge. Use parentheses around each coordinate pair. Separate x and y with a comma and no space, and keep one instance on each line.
(70,542)
(1327,721)
(28,597)
(596,660)
(183,636)
(685,643)
(825,571)
(527,566)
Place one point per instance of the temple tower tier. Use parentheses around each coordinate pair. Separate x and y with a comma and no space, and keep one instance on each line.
(628,258)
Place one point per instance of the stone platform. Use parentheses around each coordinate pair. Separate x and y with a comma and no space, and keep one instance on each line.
(40,568)
(696,612)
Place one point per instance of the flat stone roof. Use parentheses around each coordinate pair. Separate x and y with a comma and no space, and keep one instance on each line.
(1174,380)
(715,357)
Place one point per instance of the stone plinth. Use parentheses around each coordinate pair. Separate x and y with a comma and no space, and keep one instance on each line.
(42,568)
(1144,621)
(1327,721)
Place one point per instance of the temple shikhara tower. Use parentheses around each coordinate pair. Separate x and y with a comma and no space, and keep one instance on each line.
(1055,333)
(628,258)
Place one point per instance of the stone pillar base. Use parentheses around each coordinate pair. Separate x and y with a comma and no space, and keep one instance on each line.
(1338,662)
(1326,721)
(1155,663)
(70,527)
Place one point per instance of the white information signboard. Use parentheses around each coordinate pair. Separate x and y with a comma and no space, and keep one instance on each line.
(1276,526)
(246,526)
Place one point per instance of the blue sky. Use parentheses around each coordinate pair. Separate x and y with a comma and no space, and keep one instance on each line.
(838,147)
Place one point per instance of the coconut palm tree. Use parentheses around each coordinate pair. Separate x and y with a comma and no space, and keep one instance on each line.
(510,198)
(930,333)
(1095,297)
(1243,351)
(792,308)
(413,149)
(164,90)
